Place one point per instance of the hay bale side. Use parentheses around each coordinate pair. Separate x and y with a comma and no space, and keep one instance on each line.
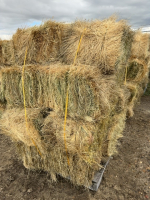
(138,69)
(85,142)
(140,46)
(90,94)
(43,43)
(105,44)
(6,53)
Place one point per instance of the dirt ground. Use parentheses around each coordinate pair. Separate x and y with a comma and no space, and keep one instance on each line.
(127,176)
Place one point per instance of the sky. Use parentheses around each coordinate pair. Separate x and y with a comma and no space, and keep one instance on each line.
(25,13)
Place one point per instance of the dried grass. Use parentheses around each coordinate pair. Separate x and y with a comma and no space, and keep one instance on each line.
(90,94)
(96,102)
(140,46)
(138,69)
(6,53)
(105,44)
(43,43)
(86,142)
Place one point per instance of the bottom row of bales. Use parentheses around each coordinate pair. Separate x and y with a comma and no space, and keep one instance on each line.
(96,118)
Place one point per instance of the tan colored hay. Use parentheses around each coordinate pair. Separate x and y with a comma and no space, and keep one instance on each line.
(6,53)
(85,142)
(43,43)
(14,125)
(115,132)
(94,120)
(97,103)
(135,93)
(90,94)
(140,45)
(105,44)
(136,70)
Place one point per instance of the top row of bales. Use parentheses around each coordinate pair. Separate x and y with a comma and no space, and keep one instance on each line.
(105,44)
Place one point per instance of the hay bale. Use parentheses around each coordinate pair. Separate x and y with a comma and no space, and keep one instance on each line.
(43,43)
(6,53)
(140,46)
(137,70)
(105,44)
(86,142)
(136,92)
(89,92)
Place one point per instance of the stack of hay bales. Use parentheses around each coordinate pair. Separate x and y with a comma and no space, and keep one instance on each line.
(138,68)
(97,97)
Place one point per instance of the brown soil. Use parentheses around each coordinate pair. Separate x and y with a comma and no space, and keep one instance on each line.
(127,176)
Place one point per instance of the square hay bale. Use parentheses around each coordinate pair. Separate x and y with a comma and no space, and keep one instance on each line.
(89,91)
(43,43)
(106,44)
(86,142)
(6,53)
(140,46)
(137,70)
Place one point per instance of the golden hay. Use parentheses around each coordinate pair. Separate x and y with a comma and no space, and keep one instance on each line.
(43,43)
(86,142)
(98,100)
(6,53)
(136,70)
(105,44)
(90,94)
(140,45)
(135,93)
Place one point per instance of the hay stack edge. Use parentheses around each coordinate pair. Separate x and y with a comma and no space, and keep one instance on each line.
(102,86)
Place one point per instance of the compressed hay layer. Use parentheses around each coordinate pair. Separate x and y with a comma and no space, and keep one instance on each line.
(105,44)
(140,46)
(90,94)
(42,42)
(6,53)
